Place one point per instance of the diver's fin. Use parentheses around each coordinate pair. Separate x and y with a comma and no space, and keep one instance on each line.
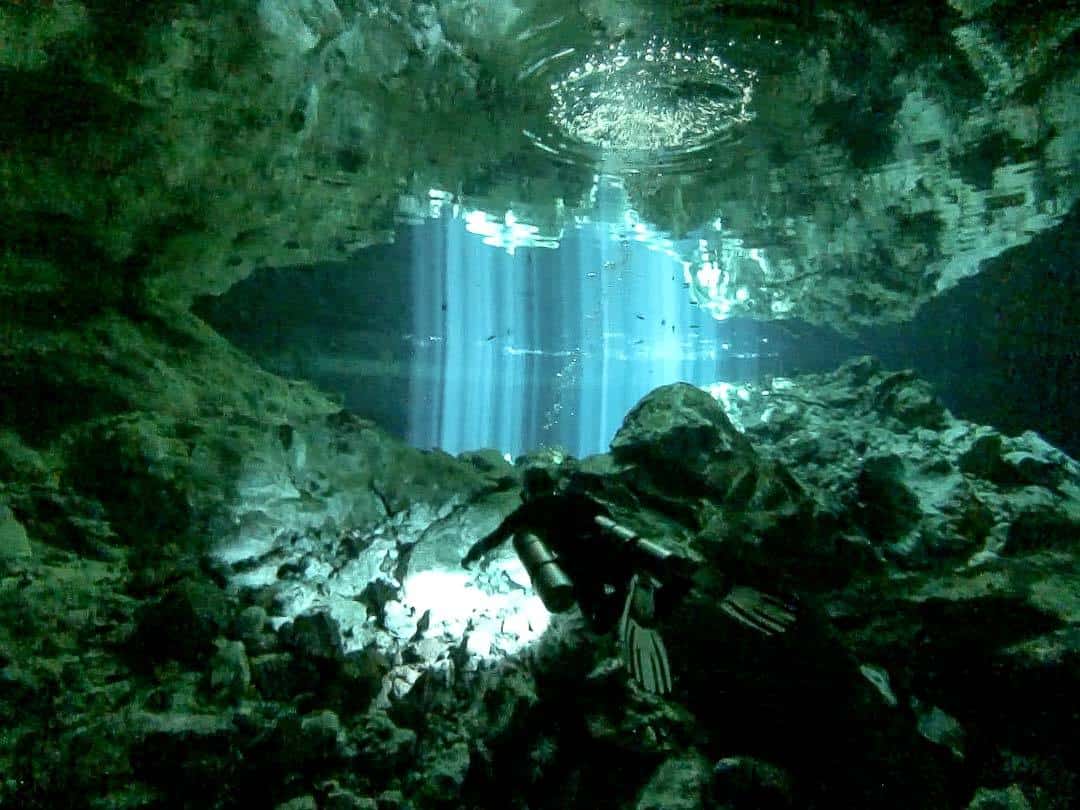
(643,649)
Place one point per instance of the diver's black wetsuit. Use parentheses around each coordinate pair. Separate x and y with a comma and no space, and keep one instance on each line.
(599,563)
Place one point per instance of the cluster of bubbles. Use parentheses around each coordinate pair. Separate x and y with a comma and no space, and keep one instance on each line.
(567,380)
(655,98)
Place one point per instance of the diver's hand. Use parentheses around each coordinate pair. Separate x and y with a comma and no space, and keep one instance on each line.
(490,542)
(642,647)
(759,611)
(470,559)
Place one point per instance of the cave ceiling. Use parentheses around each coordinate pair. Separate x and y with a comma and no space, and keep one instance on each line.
(837,162)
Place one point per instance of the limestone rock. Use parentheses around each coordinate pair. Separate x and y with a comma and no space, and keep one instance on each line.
(14,543)
(985,458)
(746,780)
(491,463)
(321,735)
(680,783)
(18,461)
(888,509)
(1057,650)
(140,471)
(315,635)
(678,443)
(968,629)
(194,739)
(300,24)
(423,651)
(1013,462)
(381,745)
(941,728)
(1047,527)
(399,620)
(230,673)
(445,542)
(441,776)
(356,680)
(375,48)
(377,595)
(339,798)
(311,743)
(391,800)
(251,623)
(299,803)
(880,680)
(275,676)
(180,725)
(1010,798)
(678,424)
(1035,461)
(184,622)
(910,401)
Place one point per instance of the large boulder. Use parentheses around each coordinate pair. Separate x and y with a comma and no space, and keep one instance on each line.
(679,430)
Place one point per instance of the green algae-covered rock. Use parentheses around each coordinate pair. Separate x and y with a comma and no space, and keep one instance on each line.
(14,542)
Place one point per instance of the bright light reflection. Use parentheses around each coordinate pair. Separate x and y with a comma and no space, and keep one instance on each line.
(512,620)
(729,396)
(708,275)
(509,234)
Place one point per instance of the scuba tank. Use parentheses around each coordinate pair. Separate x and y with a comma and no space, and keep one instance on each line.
(555,588)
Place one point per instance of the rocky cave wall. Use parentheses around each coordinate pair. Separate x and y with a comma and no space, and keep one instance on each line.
(898,149)
(168,151)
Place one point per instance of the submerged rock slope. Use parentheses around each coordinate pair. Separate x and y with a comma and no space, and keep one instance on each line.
(269,609)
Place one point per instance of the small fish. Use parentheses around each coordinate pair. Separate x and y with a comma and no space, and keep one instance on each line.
(490,338)
(639,316)
(663,321)
(639,342)
(592,275)
(695,326)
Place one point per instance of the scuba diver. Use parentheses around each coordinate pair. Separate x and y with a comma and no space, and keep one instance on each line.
(576,553)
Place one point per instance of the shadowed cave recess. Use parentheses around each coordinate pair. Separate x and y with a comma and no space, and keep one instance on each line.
(539,404)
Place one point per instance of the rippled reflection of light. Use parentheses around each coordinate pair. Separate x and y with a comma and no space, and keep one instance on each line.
(656,97)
